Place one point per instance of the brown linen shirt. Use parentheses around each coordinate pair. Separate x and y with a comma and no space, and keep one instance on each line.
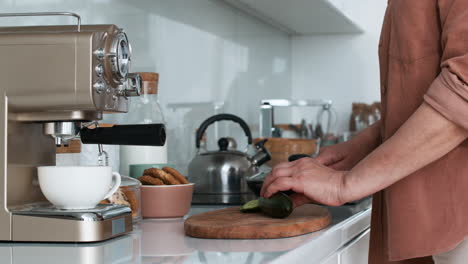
(423,58)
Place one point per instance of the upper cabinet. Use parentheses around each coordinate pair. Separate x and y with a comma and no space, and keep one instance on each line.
(301,17)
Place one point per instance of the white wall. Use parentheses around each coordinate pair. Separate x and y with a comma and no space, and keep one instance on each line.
(207,54)
(341,67)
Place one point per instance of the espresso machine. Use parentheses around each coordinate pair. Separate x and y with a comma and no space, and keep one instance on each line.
(55,81)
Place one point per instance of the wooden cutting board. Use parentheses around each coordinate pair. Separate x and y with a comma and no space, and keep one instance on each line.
(230,223)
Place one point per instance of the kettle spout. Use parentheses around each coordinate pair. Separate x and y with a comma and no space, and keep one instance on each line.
(262,156)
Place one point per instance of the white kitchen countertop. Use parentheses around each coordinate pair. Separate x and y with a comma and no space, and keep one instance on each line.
(163,241)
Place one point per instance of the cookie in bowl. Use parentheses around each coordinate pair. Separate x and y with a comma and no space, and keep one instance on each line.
(163,185)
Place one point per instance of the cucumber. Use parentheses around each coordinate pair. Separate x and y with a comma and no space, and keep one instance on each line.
(250,207)
(277,206)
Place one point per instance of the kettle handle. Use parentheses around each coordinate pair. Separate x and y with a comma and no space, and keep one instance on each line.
(222,117)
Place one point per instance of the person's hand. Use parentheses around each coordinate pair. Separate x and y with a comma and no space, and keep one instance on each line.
(341,156)
(311,182)
(346,155)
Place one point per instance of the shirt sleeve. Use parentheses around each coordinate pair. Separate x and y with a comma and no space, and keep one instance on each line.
(448,94)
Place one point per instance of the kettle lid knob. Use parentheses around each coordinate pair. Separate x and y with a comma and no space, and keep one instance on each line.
(223,144)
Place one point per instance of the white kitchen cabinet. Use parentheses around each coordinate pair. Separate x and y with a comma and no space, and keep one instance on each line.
(356,252)
(335,259)
(301,17)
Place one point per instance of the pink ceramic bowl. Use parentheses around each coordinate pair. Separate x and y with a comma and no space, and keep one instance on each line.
(166,201)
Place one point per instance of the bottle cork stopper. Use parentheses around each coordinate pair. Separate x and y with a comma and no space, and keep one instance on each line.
(150,82)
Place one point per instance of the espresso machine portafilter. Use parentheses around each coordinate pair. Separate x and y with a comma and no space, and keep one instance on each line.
(54,82)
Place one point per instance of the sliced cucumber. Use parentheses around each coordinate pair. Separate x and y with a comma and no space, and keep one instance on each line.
(277,206)
(250,207)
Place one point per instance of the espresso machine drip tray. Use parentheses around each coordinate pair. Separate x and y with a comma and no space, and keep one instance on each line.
(42,222)
(99,213)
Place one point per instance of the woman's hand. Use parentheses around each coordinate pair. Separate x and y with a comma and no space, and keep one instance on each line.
(346,155)
(321,180)
(312,182)
(341,156)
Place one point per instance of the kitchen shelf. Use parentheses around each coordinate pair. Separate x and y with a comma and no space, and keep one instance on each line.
(300,17)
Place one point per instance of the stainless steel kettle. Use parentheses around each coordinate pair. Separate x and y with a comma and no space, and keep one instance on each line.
(220,176)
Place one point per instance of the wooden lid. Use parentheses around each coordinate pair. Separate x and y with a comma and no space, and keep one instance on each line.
(150,82)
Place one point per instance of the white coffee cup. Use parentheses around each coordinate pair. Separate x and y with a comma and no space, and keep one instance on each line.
(77,187)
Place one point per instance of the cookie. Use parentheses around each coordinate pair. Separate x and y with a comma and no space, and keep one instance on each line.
(150,172)
(150,180)
(119,197)
(167,178)
(176,175)
(131,199)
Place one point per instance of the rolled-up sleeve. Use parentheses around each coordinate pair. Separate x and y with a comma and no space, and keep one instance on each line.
(448,94)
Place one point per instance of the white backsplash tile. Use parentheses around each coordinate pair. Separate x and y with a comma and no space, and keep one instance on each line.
(341,67)
(211,59)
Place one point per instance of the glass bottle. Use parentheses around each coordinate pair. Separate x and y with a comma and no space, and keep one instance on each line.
(143,109)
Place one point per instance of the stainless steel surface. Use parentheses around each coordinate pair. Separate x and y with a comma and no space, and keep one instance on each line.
(62,132)
(221,173)
(133,85)
(99,53)
(5,217)
(120,54)
(301,103)
(267,123)
(99,69)
(78,17)
(55,116)
(232,143)
(259,158)
(26,148)
(101,212)
(64,83)
(220,176)
(48,75)
(46,229)
(103,157)
(99,86)
(266,120)
(115,251)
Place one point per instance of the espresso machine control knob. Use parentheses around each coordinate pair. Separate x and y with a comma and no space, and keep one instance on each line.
(99,69)
(99,86)
(99,53)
